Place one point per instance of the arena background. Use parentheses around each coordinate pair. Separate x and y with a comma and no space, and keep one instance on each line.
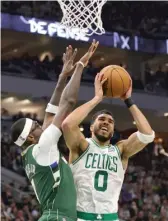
(31,52)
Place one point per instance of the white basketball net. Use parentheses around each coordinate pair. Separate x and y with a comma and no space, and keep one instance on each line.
(83,15)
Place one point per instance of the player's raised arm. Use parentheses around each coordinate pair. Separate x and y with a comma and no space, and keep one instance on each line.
(26,131)
(138,140)
(70,93)
(75,140)
(68,67)
(68,99)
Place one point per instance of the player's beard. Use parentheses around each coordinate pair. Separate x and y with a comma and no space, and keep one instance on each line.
(100,137)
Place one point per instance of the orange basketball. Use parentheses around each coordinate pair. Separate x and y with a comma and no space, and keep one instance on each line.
(118,81)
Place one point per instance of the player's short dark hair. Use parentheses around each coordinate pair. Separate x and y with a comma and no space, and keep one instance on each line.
(17,128)
(99,113)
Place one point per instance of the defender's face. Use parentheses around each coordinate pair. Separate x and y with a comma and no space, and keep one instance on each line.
(36,129)
(103,127)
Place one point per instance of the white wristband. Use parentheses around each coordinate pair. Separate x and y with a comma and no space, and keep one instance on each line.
(80,62)
(144,138)
(51,108)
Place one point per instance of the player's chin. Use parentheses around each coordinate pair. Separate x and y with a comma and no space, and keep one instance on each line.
(102,138)
(104,133)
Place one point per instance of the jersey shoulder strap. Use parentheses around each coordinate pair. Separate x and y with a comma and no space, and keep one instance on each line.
(27,150)
(89,140)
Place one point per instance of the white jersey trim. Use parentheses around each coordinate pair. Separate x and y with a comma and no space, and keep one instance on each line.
(118,151)
(80,157)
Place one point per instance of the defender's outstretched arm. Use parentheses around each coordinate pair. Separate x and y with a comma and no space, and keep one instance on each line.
(68,68)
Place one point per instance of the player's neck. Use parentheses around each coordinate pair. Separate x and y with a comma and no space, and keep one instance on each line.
(101,144)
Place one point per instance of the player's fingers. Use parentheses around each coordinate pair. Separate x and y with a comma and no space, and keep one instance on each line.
(92,46)
(97,76)
(130,82)
(101,76)
(74,54)
(103,81)
(130,78)
(95,47)
(69,51)
(64,57)
(66,53)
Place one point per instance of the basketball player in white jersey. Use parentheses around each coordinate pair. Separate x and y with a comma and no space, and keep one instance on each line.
(98,167)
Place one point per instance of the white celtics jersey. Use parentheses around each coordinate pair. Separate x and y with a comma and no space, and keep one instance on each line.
(98,175)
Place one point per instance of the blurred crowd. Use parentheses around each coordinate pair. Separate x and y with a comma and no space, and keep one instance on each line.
(144,195)
(32,67)
(26,209)
(156,81)
(139,18)
(142,18)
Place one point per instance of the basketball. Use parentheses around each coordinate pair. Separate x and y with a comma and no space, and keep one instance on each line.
(118,81)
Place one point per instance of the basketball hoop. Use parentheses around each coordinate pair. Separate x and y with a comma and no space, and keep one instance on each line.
(83,15)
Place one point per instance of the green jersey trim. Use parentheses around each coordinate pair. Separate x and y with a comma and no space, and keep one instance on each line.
(75,161)
(95,216)
(102,147)
(118,151)
(119,154)
(25,151)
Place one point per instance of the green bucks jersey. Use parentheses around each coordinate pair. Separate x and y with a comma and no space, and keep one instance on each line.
(53,184)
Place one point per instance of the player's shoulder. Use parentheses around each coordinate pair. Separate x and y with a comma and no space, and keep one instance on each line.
(120,145)
(52,130)
(90,142)
(49,137)
(28,151)
(88,139)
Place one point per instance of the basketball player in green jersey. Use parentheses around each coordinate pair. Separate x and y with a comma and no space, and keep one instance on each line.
(43,162)
(97,166)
